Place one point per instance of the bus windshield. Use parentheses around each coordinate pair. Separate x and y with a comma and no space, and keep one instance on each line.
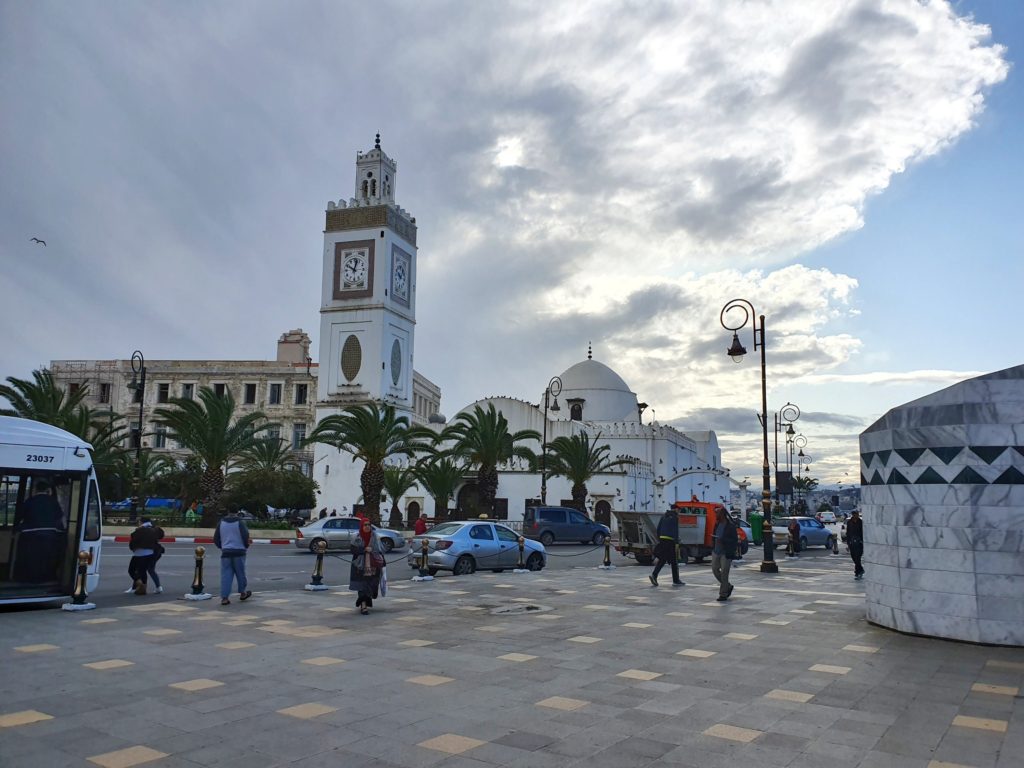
(41,516)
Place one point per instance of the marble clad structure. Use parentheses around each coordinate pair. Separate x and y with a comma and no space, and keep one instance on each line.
(943,505)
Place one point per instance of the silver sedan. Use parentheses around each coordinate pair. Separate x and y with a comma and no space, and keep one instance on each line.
(338,532)
(464,547)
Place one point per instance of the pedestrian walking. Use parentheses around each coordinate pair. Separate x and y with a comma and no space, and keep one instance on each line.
(232,539)
(724,552)
(420,526)
(794,538)
(144,543)
(667,547)
(855,542)
(192,513)
(367,564)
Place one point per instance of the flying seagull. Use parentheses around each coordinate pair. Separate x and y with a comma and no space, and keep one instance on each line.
(37,240)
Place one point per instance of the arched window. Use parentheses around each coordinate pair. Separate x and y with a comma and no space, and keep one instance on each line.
(373,188)
(366,189)
(576,412)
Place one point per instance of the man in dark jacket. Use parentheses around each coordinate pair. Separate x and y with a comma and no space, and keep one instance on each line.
(794,537)
(232,539)
(855,541)
(726,546)
(144,544)
(665,550)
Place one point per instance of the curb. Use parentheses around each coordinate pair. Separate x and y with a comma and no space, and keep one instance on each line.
(193,540)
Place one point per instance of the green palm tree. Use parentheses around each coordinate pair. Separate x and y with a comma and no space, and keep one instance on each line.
(440,476)
(397,482)
(119,477)
(267,454)
(372,434)
(578,459)
(483,439)
(41,399)
(209,429)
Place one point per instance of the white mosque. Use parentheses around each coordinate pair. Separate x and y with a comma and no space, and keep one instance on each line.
(368,311)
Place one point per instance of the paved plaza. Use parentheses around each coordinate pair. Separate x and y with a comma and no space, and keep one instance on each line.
(557,668)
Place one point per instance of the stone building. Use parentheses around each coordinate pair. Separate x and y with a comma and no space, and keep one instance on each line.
(285,389)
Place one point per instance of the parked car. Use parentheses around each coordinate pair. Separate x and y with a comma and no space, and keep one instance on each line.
(812,533)
(464,547)
(744,542)
(826,517)
(338,532)
(564,524)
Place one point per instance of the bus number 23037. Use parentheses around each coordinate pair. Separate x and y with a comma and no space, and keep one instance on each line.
(38,458)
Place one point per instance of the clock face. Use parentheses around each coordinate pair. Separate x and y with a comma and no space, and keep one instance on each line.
(354,274)
(401,279)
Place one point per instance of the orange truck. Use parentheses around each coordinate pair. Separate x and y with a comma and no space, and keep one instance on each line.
(638,531)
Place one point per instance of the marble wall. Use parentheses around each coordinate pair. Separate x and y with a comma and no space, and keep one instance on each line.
(942,497)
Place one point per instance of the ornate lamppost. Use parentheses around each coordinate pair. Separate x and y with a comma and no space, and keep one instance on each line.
(804,461)
(736,352)
(784,417)
(553,390)
(796,443)
(138,385)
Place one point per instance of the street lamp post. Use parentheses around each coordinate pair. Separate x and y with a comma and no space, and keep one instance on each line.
(736,352)
(138,384)
(553,390)
(784,418)
(804,461)
(796,443)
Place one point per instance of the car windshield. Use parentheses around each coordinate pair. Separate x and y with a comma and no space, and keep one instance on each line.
(445,529)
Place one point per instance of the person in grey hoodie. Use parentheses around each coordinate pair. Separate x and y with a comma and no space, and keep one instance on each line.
(232,539)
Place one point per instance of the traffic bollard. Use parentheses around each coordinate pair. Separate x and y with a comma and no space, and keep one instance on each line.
(522,545)
(424,570)
(198,589)
(607,553)
(316,581)
(79,596)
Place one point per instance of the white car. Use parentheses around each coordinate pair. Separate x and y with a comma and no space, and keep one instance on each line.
(827,517)
(338,532)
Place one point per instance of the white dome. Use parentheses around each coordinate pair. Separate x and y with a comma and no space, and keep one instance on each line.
(606,396)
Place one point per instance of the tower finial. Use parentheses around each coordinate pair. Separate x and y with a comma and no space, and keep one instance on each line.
(590,351)
(377,143)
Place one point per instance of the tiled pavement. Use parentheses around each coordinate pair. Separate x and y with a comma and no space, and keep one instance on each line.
(610,672)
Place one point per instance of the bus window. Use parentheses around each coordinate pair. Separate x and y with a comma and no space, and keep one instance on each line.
(92,515)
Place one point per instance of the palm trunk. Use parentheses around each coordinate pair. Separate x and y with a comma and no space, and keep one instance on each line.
(487,483)
(579,497)
(211,486)
(372,483)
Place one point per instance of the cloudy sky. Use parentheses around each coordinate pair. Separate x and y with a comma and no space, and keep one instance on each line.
(608,172)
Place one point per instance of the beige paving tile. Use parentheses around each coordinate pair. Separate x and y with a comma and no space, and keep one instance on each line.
(37,648)
(565,591)
(802,611)
(584,639)
(783,695)
(517,657)
(206,617)
(161,632)
(999,664)
(307,711)
(199,684)
(457,592)
(679,614)
(238,623)
(491,628)
(470,608)
(430,680)
(943,764)
(776,622)
(714,604)
(603,586)
(278,601)
(451,743)
(402,600)
(413,618)
(595,607)
(638,599)
(740,636)
(496,586)
(323,661)
(546,616)
(696,653)
(832,669)
(636,625)
(563,703)
(980,723)
(733,733)
(235,645)
(639,674)
(98,621)
(1001,690)
(278,622)
(861,648)
(417,643)
(126,758)
(522,599)
(109,664)
(25,717)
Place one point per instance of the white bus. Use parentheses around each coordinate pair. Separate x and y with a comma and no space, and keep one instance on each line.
(49,511)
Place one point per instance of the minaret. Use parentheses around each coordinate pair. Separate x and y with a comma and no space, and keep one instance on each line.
(368,298)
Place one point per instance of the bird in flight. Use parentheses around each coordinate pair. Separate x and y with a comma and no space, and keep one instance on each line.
(37,240)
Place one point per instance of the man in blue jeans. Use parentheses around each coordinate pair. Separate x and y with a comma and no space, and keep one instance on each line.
(232,539)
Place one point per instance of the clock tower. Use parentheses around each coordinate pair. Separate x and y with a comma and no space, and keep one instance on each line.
(368,298)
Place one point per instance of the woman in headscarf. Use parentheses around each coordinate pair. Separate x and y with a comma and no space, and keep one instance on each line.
(367,561)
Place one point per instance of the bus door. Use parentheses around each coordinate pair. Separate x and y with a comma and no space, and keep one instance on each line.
(40,531)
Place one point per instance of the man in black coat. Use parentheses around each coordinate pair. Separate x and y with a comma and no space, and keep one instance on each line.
(726,545)
(855,541)
(665,550)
